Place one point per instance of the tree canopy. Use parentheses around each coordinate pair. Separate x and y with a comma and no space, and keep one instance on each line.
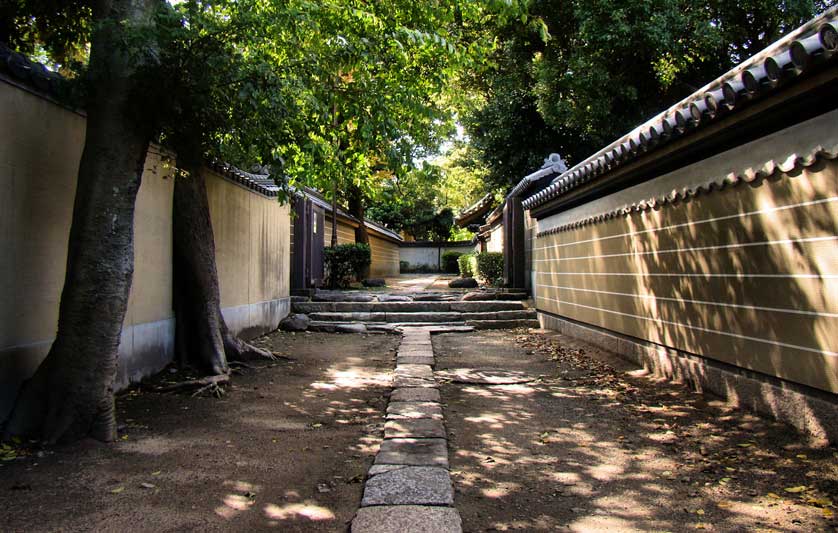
(570,76)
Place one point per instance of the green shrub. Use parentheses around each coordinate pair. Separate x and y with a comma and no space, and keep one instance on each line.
(346,261)
(490,268)
(467,265)
(404,266)
(449,261)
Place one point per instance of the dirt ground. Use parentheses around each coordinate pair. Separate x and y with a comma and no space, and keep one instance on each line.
(286,449)
(595,446)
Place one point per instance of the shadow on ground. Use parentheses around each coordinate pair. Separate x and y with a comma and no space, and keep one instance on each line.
(593,445)
(286,449)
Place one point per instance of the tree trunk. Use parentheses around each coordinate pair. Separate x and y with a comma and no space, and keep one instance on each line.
(71,394)
(334,237)
(202,338)
(356,209)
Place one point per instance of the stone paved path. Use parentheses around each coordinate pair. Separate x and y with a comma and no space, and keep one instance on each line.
(408,489)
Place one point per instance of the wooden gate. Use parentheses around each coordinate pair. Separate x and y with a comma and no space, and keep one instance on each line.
(307,261)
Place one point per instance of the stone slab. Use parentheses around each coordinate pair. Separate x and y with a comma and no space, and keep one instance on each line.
(412,485)
(416,428)
(407,518)
(351,328)
(406,382)
(414,371)
(394,298)
(381,469)
(477,307)
(428,316)
(402,410)
(424,340)
(415,360)
(340,296)
(415,395)
(352,307)
(413,452)
(421,352)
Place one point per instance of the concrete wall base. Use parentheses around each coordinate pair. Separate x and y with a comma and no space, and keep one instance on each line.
(144,350)
(809,410)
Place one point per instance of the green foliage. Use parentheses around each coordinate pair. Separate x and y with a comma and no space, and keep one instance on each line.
(345,262)
(490,268)
(460,234)
(403,266)
(55,31)
(411,203)
(577,74)
(468,265)
(450,260)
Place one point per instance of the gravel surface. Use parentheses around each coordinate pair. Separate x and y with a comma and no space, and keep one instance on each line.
(285,449)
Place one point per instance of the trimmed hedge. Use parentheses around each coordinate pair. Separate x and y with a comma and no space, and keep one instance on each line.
(490,268)
(449,261)
(467,265)
(346,261)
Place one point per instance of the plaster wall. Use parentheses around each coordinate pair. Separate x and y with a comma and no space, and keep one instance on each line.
(346,233)
(745,275)
(385,257)
(40,149)
(530,231)
(429,256)
(495,242)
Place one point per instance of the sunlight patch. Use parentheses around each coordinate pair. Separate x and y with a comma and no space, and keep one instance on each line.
(305,510)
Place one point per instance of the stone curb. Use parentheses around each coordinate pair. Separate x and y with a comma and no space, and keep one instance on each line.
(414,485)
(407,518)
(409,489)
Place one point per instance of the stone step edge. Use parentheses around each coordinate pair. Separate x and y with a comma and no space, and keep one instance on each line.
(407,307)
(463,326)
(391,317)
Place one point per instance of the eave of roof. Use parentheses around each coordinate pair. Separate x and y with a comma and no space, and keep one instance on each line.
(260,183)
(322,202)
(476,210)
(780,64)
(34,77)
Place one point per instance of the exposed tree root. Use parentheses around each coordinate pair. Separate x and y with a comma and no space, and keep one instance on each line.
(212,384)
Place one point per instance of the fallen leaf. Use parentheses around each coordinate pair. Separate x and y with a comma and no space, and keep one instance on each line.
(819,502)
(796,490)
(745,445)
(147,485)
(117,490)
(774,495)
(156,473)
(801,456)
(827,513)
(700,512)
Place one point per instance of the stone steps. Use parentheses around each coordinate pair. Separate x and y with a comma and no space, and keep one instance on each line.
(406,307)
(352,312)
(425,317)
(392,327)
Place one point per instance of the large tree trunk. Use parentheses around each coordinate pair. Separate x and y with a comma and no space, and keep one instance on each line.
(357,210)
(202,338)
(71,394)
